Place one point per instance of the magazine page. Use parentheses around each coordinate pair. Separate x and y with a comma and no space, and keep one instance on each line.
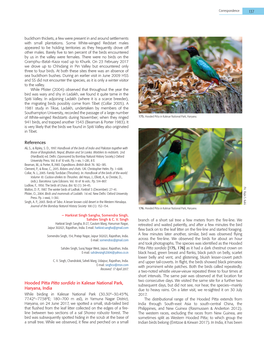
(123,215)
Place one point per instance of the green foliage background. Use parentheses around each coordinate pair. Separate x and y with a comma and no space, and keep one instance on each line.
(206,45)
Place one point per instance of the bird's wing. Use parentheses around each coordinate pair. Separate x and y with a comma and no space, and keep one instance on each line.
(170,164)
(159,169)
(162,162)
(206,68)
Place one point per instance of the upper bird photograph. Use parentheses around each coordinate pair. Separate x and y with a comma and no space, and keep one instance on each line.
(190,166)
(198,75)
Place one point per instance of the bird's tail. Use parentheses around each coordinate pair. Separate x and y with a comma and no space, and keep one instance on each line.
(230,87)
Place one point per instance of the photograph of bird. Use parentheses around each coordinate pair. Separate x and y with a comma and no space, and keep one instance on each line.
(169,167)
(205,71)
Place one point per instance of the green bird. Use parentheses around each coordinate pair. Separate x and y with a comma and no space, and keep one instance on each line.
(205,71)
(170,166)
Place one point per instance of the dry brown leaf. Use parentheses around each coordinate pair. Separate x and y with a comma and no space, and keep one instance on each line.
(163,87)
(169,57)
(186,74)
(197,84)
(159,67)
(189,83)
(167,101)
(149,78)
(216,64)
(219,88)
(143,107)
(144,62)
(228,63)
(141,98)
(183,94)
(235,59)
(142,43)
(159,98)
(235,75)
(152,46)
(221,73)
(184,69)
(178,84)
(147,101)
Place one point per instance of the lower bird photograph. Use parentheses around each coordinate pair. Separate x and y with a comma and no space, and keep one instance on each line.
(190,166)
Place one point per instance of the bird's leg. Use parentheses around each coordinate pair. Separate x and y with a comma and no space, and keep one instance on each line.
(165,189)
(230,87)
(166,192)
(170,188)
(207,88)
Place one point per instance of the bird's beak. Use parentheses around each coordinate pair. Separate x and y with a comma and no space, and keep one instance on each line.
(186,49)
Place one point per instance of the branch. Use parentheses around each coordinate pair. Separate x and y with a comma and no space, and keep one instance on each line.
(154,151)
(157,138)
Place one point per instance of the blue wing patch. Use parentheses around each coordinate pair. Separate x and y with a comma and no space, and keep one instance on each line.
(162,162)
(205,67)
